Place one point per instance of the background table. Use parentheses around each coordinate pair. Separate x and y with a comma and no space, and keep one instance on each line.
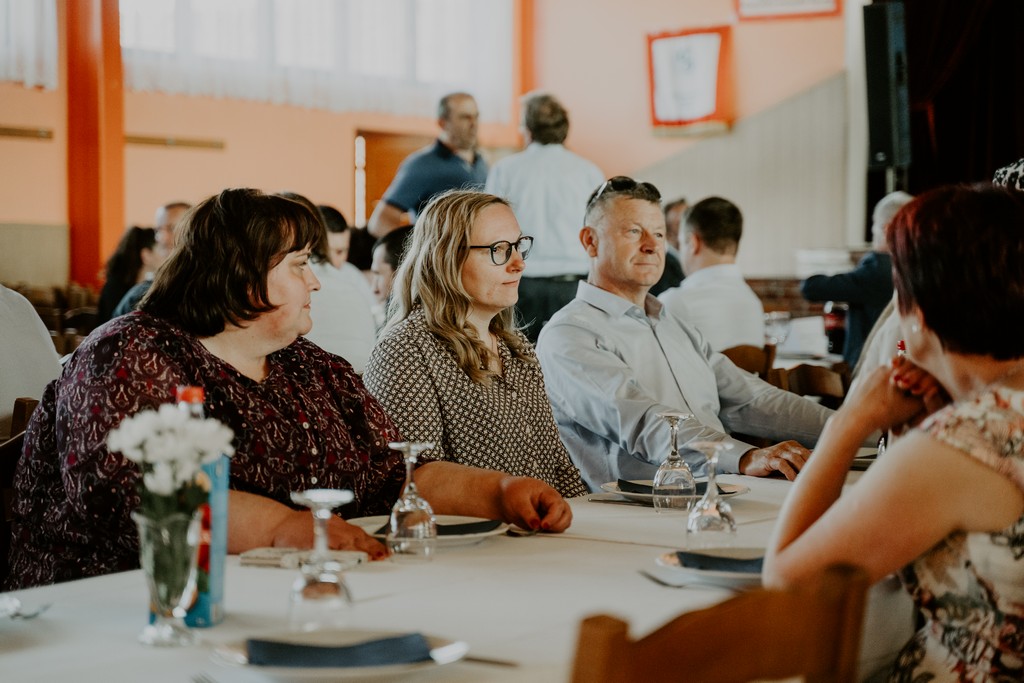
(514,599)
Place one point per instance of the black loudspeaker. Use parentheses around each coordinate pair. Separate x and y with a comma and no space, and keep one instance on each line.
(885,58)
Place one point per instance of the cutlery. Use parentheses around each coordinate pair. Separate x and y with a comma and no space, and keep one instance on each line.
(12,608)
(617,501)
(487,660)
(516,532)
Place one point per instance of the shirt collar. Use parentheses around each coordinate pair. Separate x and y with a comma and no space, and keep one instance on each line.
(446,152)
(615,306)
(722,271)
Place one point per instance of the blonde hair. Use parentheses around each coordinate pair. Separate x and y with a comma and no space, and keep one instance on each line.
(430,278)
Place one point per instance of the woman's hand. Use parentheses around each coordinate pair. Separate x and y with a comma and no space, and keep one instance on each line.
(895,397)
(531,504)
(296,531)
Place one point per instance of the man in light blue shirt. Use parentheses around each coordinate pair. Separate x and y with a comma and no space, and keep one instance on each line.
(613,359)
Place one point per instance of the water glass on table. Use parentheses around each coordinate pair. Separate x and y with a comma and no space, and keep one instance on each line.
(674,486)
(776,327)
(319,599)
(710,523)
(412,534)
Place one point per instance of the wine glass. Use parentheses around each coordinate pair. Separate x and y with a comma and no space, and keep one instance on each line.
(776,327)
(413,531)
(674,486)
(320,598)
(710,523)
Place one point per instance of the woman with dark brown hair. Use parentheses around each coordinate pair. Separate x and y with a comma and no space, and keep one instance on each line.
(227,312)
(136,257)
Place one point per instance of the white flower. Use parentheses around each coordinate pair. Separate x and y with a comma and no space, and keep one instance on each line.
(170,446)
(161,480)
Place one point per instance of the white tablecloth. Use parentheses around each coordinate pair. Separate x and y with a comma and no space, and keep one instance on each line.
(515,599)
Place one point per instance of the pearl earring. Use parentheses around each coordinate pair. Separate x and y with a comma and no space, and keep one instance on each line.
(915,328)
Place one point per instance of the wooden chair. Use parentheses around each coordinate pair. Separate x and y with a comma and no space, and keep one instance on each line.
(10,453)
(811,630)
(755,359)
(817,380)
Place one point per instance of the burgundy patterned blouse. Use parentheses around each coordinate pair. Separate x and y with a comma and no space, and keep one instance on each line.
(309,424)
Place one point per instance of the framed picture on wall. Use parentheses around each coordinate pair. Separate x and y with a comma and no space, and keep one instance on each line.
(787,9)
(691,84)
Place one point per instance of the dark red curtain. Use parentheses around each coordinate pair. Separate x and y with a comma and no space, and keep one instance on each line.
(965,62)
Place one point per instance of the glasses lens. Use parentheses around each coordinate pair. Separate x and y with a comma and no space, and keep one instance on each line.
(524,245)
(501,252)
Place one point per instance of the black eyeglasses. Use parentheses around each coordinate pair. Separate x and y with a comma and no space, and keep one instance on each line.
(625,185)
(501,251)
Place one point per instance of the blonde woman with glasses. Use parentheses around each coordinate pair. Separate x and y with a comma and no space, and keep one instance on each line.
(451,366)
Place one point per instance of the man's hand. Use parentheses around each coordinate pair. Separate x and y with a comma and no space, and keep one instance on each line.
(531,504)
(296,531)
(787,458)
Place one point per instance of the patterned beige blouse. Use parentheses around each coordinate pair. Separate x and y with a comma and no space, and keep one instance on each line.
(507,426)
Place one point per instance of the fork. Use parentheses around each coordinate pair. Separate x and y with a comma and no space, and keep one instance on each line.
(202,678)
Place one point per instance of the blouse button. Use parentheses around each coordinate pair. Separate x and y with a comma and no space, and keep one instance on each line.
(312,480)
(305,425)
(313,450)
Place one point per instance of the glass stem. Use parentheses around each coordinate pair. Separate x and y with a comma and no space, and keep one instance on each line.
(320,517)
(410,485)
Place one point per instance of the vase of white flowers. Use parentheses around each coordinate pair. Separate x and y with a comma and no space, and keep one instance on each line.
(170,447)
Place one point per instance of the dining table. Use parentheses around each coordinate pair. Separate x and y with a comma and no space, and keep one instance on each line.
(516,601)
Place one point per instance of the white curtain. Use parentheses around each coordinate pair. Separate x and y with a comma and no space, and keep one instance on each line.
(28,42)
(394,56)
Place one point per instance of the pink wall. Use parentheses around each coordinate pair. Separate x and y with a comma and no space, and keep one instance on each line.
(592,55)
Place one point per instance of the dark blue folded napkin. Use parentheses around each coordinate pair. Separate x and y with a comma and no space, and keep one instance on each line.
(627,486)
(405,649)
(456,529)
(719,564)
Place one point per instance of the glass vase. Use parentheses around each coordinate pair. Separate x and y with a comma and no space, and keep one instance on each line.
(168,552)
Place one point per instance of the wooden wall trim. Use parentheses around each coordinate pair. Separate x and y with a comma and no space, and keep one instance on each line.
(22,132)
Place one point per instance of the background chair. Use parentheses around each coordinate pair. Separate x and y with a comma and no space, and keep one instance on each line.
(10,452)
(829,384)
(755,359)
(812,630)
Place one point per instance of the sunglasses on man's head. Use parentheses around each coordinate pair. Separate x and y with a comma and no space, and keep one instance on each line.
(618,184)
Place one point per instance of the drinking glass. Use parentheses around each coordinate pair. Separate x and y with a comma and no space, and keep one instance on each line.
(674,487)
(710,523)
(776,327)
(413,531)
(320,599)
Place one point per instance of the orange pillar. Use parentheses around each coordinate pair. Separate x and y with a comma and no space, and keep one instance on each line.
(523,64)
(95,135)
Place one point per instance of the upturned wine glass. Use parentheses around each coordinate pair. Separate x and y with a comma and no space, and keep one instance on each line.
(674,487)
(413,530)
(710,523)
(320,599)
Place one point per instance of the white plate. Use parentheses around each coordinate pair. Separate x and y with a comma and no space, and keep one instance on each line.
(728,491)
(681,575)
(9,605)
(371,524)
(442,650)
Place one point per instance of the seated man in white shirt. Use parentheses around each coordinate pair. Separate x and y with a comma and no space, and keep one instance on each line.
(29,360)
(613,359)
(714,297)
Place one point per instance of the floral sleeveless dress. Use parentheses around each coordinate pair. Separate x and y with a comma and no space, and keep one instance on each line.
(969,588)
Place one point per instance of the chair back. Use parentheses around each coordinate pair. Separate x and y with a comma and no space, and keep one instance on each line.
(828,384)
(755,359)
(811,630)
(10,453)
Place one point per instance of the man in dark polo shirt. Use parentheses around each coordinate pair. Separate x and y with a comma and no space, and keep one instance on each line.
(452,162)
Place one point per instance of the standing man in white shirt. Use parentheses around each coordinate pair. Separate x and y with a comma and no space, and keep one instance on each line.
(548,187)
(714,297)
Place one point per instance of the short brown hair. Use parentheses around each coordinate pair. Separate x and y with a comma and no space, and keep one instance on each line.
(545,118)
(226,247)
